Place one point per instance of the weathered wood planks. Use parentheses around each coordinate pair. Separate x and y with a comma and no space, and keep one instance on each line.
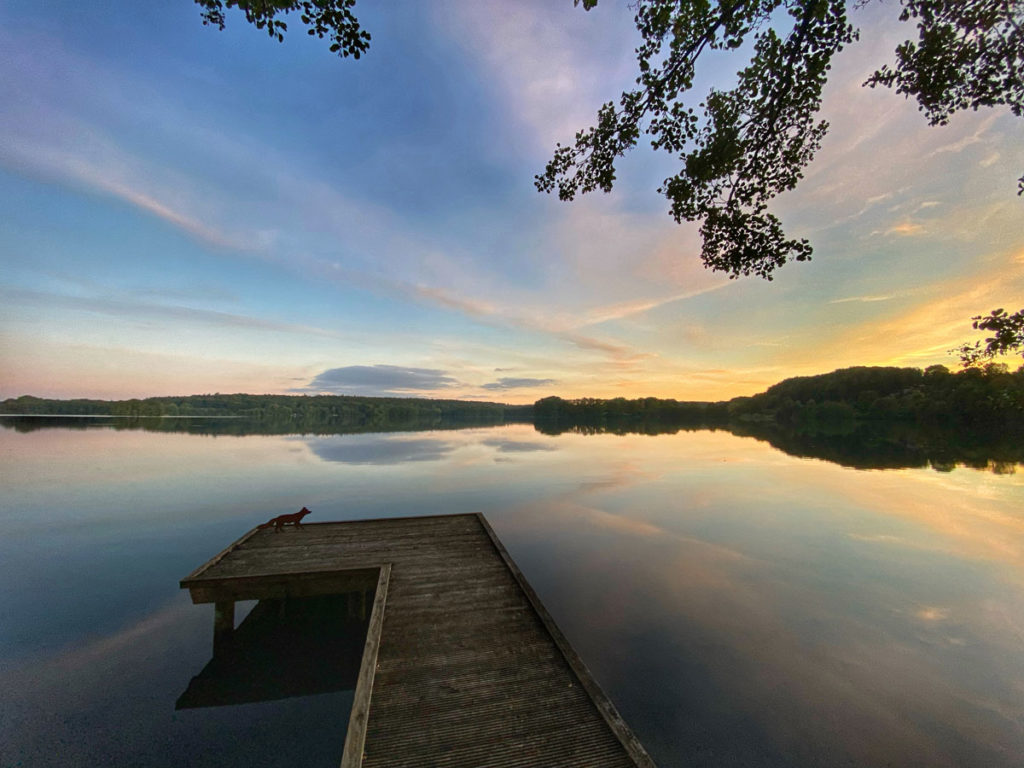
(463,666)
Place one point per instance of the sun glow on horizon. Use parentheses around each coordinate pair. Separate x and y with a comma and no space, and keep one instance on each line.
(172,229)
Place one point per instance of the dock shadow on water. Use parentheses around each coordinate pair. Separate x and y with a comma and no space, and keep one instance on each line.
(285,649)
(280,685)
(277,693)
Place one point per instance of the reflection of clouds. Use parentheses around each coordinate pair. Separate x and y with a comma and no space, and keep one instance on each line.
(85,704)
(808,666)
(950,514)
(380,448)
(82,657)
(505,445)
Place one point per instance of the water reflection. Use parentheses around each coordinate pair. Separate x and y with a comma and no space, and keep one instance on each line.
(741,605)
(868,445)
(379,449)
(506,445)
(782,649)
(283,649)
(110,701)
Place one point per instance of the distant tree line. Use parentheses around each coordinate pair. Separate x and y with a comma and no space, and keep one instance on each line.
(989,398)
(867,418)
(649,415)
(283,413)
(978,399)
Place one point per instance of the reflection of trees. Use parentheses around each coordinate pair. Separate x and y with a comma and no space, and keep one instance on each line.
(873,445)
(850,444)
(893,446)
(865,417)
(238,426)
(649,416)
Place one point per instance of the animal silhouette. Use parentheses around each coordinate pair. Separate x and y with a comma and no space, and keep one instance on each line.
(295,518)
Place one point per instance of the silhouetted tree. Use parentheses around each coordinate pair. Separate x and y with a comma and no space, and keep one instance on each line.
(739,148)
(1007,337)
(324,18)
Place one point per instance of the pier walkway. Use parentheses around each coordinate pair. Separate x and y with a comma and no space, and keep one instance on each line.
(462,664)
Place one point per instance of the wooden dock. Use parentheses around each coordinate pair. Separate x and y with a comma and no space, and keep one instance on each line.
(462,665)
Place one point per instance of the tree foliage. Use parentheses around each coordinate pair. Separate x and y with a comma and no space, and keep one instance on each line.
(1007,337)
(739,148)
(324,18)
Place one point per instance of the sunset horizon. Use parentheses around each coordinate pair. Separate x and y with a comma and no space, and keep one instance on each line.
(192,210)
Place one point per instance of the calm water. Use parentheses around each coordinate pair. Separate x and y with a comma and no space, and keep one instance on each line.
(739,605)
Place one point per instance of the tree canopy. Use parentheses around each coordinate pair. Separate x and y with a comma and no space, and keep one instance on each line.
(324,18)
(739,148)
(1007,337)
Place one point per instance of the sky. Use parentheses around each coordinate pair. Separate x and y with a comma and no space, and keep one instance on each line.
(188,210)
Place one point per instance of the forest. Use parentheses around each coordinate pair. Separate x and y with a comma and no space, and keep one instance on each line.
(288,413)
(989,398)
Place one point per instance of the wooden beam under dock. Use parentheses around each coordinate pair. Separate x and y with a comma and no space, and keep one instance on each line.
(462,664)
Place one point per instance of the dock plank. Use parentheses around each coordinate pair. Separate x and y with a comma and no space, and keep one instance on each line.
(466,667)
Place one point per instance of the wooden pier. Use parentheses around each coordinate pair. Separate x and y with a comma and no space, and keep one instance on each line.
(462,665)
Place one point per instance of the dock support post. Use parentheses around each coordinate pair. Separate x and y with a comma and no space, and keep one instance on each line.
(223,623)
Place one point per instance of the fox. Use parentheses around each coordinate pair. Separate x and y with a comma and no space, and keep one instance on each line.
(295,518)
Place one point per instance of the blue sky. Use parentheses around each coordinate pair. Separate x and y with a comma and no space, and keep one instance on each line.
(188,210)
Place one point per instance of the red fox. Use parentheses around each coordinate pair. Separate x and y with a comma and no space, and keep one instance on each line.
(278,522)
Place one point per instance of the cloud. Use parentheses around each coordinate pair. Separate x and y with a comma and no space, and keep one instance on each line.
(922,331)
(862,299)
(101,167)
(510,382)
(380,381)
(976,137)
(46,133)
(162,313)
(552,64)
(905,228)
(536,320)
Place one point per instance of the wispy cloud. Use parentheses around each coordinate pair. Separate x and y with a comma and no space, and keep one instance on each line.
(552,63)
(923,330)
(100,166)
(863,299)
(43,135)
(975,137)
(163,313)
(905,229)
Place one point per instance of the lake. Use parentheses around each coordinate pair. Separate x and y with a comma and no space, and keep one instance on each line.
(741,606)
